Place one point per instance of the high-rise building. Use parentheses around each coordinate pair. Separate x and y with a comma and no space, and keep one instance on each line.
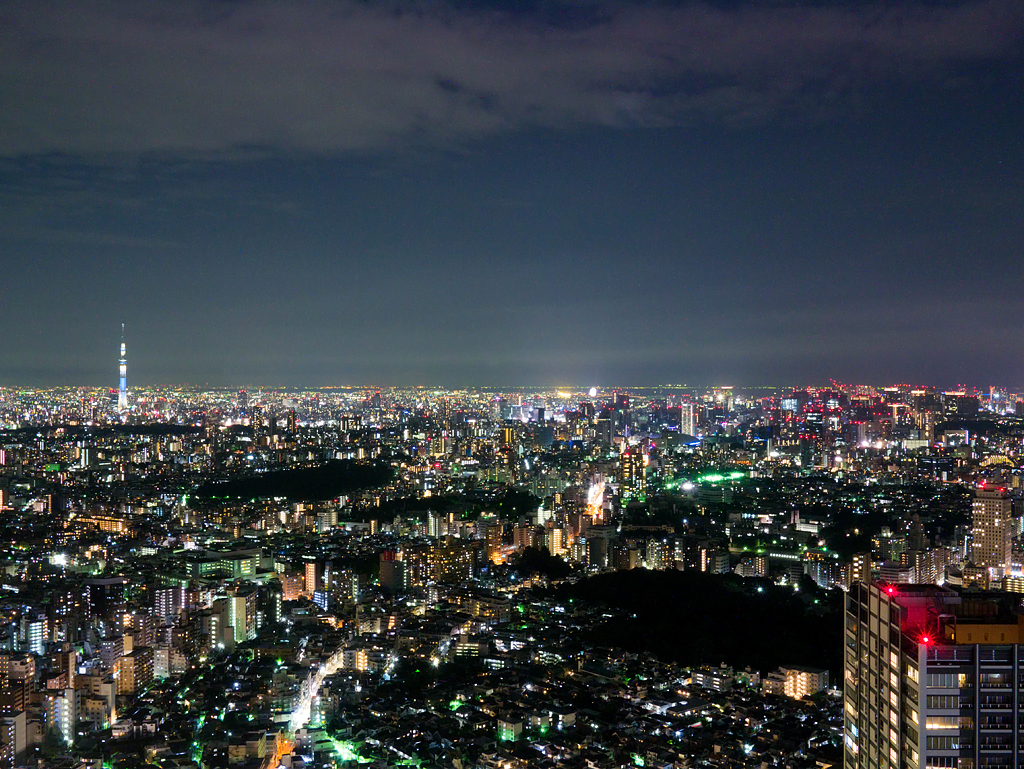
(61,712)
(888,544)
(860,567)
(992,531)
(932,679)
(106,596)
(633,469)
(314,576)
(823,567)
(134,670)
(258,427)
(243,614)
(393,578)
(13,739)
(122,390)
(168,602)
(687,418)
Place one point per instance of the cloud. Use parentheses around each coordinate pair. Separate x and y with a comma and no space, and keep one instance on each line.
(191,77)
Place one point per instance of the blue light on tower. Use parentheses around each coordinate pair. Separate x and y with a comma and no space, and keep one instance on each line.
(122,394)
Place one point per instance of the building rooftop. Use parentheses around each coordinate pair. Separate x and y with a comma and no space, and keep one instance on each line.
(944,615)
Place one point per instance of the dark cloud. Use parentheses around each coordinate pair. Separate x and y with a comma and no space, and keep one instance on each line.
(325,76)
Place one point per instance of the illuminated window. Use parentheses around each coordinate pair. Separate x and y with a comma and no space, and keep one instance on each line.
(942,722)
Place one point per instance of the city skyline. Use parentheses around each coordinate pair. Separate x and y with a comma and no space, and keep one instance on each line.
(249,578)
(740,192)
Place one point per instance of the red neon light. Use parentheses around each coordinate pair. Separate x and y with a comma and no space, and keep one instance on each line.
(925,639)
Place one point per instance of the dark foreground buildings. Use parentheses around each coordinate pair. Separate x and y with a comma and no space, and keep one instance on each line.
(933,678)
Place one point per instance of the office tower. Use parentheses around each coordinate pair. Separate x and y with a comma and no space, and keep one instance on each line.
(491,532)
(932,679)
(992,530)
(122,391)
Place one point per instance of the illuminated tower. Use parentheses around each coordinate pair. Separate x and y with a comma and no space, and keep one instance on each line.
(122,393)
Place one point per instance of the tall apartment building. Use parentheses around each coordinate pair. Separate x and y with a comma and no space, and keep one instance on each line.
(688,419)
(13,739)
(860,568)
(448,560)
(314,576)
(933,678)
(134,670)
(992,531)
(60,708)
(168,601)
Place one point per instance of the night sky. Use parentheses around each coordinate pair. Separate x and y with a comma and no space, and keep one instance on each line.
(324,192)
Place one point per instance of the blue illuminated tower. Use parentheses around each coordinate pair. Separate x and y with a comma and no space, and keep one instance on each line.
(122,394)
